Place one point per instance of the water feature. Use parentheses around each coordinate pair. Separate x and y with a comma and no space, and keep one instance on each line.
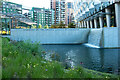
(95,36)
(104,60)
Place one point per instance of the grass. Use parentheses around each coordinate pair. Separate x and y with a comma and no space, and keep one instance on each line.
(24,60)
(0,58)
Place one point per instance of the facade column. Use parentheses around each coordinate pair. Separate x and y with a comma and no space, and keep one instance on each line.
(101,21)
(77,24)
(88,24)
(5,24)
(95,22)
(108,16)
(10,25)
(91,24)
(84,24)
(80,24)
(117,13)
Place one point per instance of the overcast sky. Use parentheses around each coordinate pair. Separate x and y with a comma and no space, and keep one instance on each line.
(34,3)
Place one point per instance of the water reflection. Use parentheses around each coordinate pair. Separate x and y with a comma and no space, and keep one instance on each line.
(105,60)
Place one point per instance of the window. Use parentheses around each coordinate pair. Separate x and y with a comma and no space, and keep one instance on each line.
(3,5)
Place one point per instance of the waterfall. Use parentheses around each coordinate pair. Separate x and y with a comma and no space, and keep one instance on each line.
(95,36)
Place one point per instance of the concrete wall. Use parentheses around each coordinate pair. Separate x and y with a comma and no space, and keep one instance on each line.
(119,36)
(51,36)
(111,37)
(105,37)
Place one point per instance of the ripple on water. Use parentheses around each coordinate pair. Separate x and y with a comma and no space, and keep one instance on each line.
(97,59)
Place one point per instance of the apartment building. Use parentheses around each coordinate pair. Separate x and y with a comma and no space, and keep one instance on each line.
(9,7)
(69,13)
(59,7)
(42,16)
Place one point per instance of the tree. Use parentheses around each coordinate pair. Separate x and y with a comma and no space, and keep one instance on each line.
(61,25)
(53,26)
(40,26)
(71,25)
(46,27)
(33,27)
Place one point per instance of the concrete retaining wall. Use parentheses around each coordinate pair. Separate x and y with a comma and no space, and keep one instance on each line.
(111,37)
(51,36)
(105,38)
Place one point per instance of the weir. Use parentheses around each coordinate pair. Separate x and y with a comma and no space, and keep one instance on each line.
(95,36)
(51,36)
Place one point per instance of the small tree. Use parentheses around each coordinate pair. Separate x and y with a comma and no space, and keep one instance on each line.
(53,26)
(61,25)
(71,25)
(46,27)
(33,27)
(40,26)
(28,27)
(57,26)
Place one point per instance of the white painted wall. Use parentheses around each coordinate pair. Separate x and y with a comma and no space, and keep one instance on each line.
(51,36)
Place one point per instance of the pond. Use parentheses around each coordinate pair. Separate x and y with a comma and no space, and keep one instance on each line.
(104,60)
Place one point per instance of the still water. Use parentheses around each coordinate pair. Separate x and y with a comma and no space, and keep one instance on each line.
(104,60)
